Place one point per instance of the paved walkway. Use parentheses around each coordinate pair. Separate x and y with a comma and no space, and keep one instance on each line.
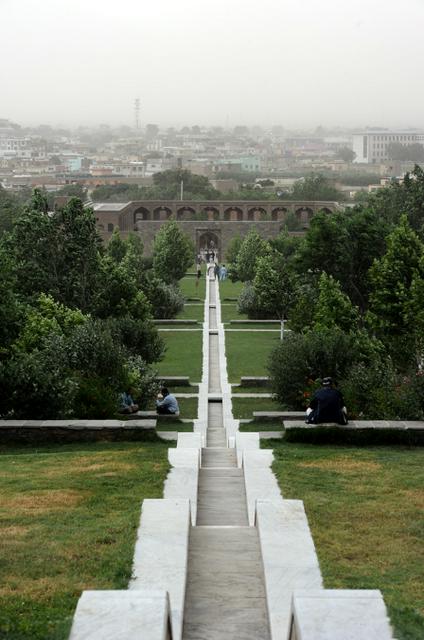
(225,597)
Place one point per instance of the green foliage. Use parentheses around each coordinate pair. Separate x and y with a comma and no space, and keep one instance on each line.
(346,154)
(116,247)
(316,187)
(166,299)
(233,248)
(274,285)
(95,399)
(301,359)
(172,252)
(391,278)
(333,308)
(252,247)
(10,208)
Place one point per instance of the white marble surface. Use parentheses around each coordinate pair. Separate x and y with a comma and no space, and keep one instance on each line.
(121,615)
(289,557)
(182,482)
(161,553)
(340,614)
(244,442)
(200,425)
(260,482)
(184,457)
(187,440)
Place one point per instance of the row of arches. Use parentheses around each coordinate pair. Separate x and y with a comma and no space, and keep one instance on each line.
(235,213)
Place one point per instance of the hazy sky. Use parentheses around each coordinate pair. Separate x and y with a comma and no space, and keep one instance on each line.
(298,63)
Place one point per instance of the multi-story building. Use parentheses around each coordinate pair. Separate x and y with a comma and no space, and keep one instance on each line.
(371,147)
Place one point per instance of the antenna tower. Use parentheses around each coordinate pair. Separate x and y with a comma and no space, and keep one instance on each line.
(137,113)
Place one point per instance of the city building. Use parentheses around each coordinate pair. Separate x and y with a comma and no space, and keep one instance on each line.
(371,147)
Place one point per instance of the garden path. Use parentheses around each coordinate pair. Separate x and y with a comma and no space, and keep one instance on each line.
(225,596)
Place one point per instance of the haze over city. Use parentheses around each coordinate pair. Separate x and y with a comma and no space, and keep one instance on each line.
(226,62)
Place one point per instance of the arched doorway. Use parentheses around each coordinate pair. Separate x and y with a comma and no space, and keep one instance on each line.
(141,214)
(211,213)
(208,241)
(162,213)
(278,214)
(233,213)
(256,213)
(186,213)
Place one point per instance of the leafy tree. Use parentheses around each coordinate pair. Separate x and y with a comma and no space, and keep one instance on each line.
(167,185)
(252,247)
(116,247)
(346,154)
(274,285)
(233,248)
(10,207)
(391,278)
(172,252)
(333,308)
(316,187)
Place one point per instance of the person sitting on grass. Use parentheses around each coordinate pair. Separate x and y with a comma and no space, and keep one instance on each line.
(327,405)
(167,404)
(126,403)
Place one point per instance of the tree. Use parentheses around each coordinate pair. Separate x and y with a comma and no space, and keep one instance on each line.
(167,185)
(274,285)
(333,308)
(346,154)
(252,247)
(116,247)
(173,253)
(391,279)
(316,187)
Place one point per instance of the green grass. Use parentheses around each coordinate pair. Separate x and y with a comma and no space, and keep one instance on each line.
(183,355)
(192,312)
(228,289)
(190,290)
(169,424)
(188,407)
(68,521)
(244,407)
(251,327)
(248,353)
(236,390)
(262,425)
(229,312)
(365,510)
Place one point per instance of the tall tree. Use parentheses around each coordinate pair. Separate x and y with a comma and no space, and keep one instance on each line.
(252,247)
(274,285)
(173,252)
(333,308)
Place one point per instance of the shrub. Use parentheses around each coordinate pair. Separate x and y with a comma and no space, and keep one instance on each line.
(166,299)
(95,399)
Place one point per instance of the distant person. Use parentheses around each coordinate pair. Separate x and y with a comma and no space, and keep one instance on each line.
(212,256)
(198,272)
(126,403)
(166,403)
(216,270)
(327,405)
(208,256)
(223,272)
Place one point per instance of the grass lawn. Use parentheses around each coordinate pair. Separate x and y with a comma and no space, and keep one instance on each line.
(169,424)
(190,290)
(365,510)
(188,408)
(192,312)
(183,355)
(262,425)
(228,289)
(68,521)
(243,407)
(229,312)
(248,353)
(236,390)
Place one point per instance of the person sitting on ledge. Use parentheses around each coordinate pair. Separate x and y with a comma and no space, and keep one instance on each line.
(126,403)
(167,403)
(327,405)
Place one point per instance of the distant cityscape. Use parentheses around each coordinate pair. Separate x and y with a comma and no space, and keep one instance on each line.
(50,157)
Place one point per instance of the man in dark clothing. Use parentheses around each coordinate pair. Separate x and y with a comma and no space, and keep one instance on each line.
(327,405)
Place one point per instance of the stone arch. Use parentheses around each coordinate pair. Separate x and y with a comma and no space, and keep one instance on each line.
(304,215)
(162,213)
(278,214)
(256,213)
(208,240)
(186,213)
(211,213)
(325,210)
(141,214)
(233,213)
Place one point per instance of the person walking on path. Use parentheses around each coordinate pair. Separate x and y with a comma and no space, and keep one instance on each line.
(198,272)
(166,403)
(223,272)
(216,270)
(327,405)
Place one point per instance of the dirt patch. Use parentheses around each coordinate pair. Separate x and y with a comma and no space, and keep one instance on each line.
(157,466)
(342,465)
(13,531)
(89,467)
(415,496)
(41,589)
(35,503)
